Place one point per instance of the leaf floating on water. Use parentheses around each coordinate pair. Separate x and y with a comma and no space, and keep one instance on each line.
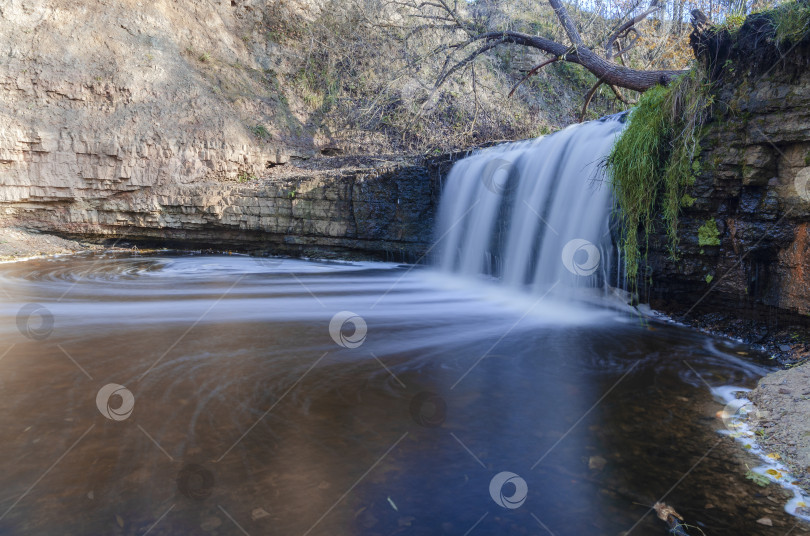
(258,513)
(774,473)
(596,463)
(673,519)
(760,480)
(663,510)
(120,521)
(773,456)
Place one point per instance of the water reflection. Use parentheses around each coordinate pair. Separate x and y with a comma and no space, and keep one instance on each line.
(249,418)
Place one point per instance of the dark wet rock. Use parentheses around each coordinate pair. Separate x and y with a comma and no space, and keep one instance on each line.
(754,286)
(755,183)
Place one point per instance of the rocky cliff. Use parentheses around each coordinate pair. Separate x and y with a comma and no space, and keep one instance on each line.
(385,212)
(165,122)
(744,243)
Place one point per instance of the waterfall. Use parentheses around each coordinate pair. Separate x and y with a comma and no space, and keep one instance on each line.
(534,213)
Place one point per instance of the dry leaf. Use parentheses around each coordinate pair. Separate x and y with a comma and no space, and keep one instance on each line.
(663,511)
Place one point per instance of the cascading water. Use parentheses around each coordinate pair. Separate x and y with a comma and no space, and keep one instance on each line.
(533,213)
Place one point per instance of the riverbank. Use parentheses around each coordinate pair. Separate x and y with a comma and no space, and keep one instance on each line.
(782,397)
(19,244)
(782,400)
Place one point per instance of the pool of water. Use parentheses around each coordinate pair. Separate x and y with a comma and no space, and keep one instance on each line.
(181,394)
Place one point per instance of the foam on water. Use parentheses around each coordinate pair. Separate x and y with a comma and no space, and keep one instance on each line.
(737,416)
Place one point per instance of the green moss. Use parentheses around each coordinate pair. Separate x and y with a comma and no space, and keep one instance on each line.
(651,165)
(709,234)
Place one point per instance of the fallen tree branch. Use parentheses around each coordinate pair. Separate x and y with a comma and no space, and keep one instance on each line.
(612,73)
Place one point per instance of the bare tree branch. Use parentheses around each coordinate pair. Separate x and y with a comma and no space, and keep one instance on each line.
(532,72)
(490,45)
(588,98)
(620,96)
(627,26)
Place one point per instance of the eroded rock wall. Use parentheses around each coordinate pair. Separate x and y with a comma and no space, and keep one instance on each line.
(162,120)
(136,94)
(753,183)
(384,213)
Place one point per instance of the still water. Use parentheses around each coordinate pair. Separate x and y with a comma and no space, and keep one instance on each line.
(234,410)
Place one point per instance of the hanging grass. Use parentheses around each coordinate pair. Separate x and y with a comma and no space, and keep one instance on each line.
(652,164)
(791,22)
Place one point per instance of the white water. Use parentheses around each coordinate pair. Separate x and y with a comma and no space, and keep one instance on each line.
(533,213)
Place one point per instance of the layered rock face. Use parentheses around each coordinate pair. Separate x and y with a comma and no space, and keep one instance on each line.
(159,121)
(754,186)
(385,213)
(136,94)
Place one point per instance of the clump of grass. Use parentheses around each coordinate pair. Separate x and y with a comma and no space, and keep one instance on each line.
(260,131)
(732,23)
(791,22)
(652,164)
(244,176)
